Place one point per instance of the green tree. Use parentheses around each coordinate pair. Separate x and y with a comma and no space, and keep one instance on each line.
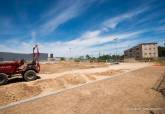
(161,51)
(62,59)
(88,57)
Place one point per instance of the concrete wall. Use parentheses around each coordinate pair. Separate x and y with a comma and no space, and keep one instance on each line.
(6,56)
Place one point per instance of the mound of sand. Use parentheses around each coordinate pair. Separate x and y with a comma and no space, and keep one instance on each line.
(74,79)
(51,84)
(91,77)
(16,92)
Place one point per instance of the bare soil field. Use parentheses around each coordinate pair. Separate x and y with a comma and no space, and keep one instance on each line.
(67,66)
(60,81)
(128,93)
(19,91)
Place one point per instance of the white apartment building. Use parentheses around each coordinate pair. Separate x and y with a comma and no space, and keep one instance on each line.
(144,50)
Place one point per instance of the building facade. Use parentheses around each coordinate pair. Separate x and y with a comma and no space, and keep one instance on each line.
(7,56)
(142,51)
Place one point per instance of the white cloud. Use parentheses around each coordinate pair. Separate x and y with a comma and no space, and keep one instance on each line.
(52,24)
(64,12)
(89,42)
(33,35)
(114,21)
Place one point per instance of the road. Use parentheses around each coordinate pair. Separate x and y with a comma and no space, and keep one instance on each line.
(129,93)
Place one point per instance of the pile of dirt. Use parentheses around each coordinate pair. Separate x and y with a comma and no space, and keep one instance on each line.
(74,79)
(16,92)
(108,73)
(49,84)
(91,77)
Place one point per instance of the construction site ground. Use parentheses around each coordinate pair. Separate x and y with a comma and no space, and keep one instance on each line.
(50,68)
(95,88)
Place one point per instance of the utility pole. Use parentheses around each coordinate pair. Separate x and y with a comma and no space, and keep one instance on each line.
(70,52)
(116,49)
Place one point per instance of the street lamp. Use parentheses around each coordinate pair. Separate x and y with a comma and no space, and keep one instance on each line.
(116,50)
(70,52)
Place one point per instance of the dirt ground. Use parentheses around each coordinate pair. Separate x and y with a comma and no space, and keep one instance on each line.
(19,91)
(59,81)
(129,93)
(67,66)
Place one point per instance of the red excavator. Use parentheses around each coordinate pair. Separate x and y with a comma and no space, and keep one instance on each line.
(27,71)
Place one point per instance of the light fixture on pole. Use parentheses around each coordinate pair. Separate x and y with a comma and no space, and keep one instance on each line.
(115,39)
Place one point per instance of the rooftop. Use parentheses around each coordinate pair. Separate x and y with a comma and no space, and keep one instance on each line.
(141,44)
(147,43)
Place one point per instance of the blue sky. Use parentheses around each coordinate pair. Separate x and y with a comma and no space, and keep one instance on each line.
(79,27)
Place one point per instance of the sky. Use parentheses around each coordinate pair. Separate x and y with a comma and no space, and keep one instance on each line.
(72,28)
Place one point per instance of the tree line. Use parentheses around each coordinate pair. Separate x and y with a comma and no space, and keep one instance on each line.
(101,58)
(161,51)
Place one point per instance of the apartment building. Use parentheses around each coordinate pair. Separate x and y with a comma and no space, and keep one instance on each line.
(144,50)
